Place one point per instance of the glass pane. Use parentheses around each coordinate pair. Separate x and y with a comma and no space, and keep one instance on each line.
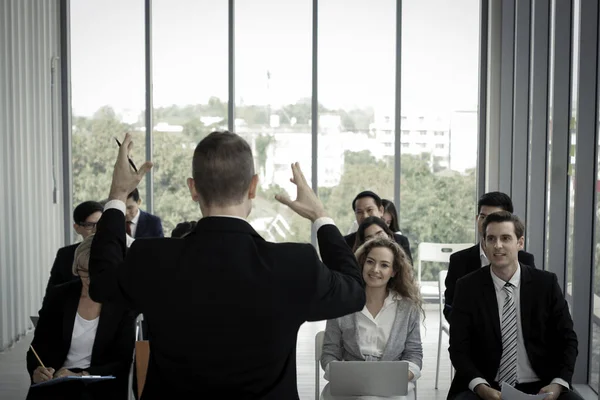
(107,86)
(439,123)
(357,58)
(273,76)
(572,146)
(190,61)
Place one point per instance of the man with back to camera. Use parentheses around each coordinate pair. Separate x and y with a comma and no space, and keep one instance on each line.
(466,261)
(368,204)
(510,324)
(237,299)
(85,217)
(141,224)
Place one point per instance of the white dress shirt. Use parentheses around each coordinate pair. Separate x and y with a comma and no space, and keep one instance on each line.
(374,332)
(82,343)
(525,372)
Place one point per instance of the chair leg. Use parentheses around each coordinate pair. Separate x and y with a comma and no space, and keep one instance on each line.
(437,369)
(317,381)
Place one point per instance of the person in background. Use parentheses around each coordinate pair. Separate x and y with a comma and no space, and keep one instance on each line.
(85,217)
(371,228)
(140,224)
(183,229)
(388,327)
(466,261)
(368,204)
(390,216)
(76,336)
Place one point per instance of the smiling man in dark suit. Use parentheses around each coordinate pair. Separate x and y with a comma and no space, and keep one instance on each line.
(241,299)
(466,261)
(510,324)
(369,204)
(141,224)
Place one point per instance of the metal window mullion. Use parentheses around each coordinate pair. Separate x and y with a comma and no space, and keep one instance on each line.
(520,127)
(398,112)
(560,111)
(149,103)
(538,131)
(586,156)
(315,106)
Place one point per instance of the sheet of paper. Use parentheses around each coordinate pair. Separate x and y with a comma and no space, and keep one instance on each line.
(94,378)
(510,393)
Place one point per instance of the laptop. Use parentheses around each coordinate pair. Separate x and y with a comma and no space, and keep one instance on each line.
(368,378)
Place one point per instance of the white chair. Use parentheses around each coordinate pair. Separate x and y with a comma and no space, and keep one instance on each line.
(318,350)
(444,326)
(436,252)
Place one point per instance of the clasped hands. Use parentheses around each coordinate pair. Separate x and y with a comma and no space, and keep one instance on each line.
(42,374)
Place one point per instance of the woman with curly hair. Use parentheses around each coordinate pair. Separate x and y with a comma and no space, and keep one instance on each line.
(388,327)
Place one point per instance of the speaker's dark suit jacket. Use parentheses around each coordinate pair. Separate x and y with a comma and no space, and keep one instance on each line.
(62,269)
(476,341)
(400,239)
(223,305)
(148,226)
(463,263)
(113,347)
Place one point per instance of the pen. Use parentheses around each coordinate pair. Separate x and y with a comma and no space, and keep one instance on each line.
(38,357)
(130,162)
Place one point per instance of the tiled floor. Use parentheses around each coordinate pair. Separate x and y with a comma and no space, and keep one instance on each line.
(14,380)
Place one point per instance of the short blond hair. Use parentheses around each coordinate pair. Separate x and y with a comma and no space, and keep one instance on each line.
(82,253)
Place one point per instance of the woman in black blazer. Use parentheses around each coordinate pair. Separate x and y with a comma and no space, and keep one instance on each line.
(77,336)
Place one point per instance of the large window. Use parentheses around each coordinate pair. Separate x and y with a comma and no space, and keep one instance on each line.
(273,102)
(107,75)
(357,56)
(190,59)
(439,116)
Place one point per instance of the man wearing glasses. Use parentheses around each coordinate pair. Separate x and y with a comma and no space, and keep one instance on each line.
(85,217)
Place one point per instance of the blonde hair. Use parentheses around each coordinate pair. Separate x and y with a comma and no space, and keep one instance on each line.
(403,281)
(82,253)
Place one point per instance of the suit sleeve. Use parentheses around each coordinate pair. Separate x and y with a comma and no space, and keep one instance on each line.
(158,227)
(55,272)
(332,343)
(47,334)
(567,338)
(340,289)
(112,277)
(413,347)
(460,334)
(123,349)
(450,284)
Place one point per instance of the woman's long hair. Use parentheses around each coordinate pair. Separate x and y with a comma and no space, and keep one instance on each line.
(390,208)
(403,282)
(360,233)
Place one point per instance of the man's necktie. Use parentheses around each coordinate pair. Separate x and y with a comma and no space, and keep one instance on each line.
(128,227)
(508,363)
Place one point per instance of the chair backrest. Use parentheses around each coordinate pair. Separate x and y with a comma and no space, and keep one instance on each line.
(442,286)
(438,252)
(318,350)
(319,345)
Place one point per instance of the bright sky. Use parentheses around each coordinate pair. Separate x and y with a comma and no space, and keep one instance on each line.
(356,53)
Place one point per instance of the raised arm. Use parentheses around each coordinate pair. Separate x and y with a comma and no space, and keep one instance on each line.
(339,284)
